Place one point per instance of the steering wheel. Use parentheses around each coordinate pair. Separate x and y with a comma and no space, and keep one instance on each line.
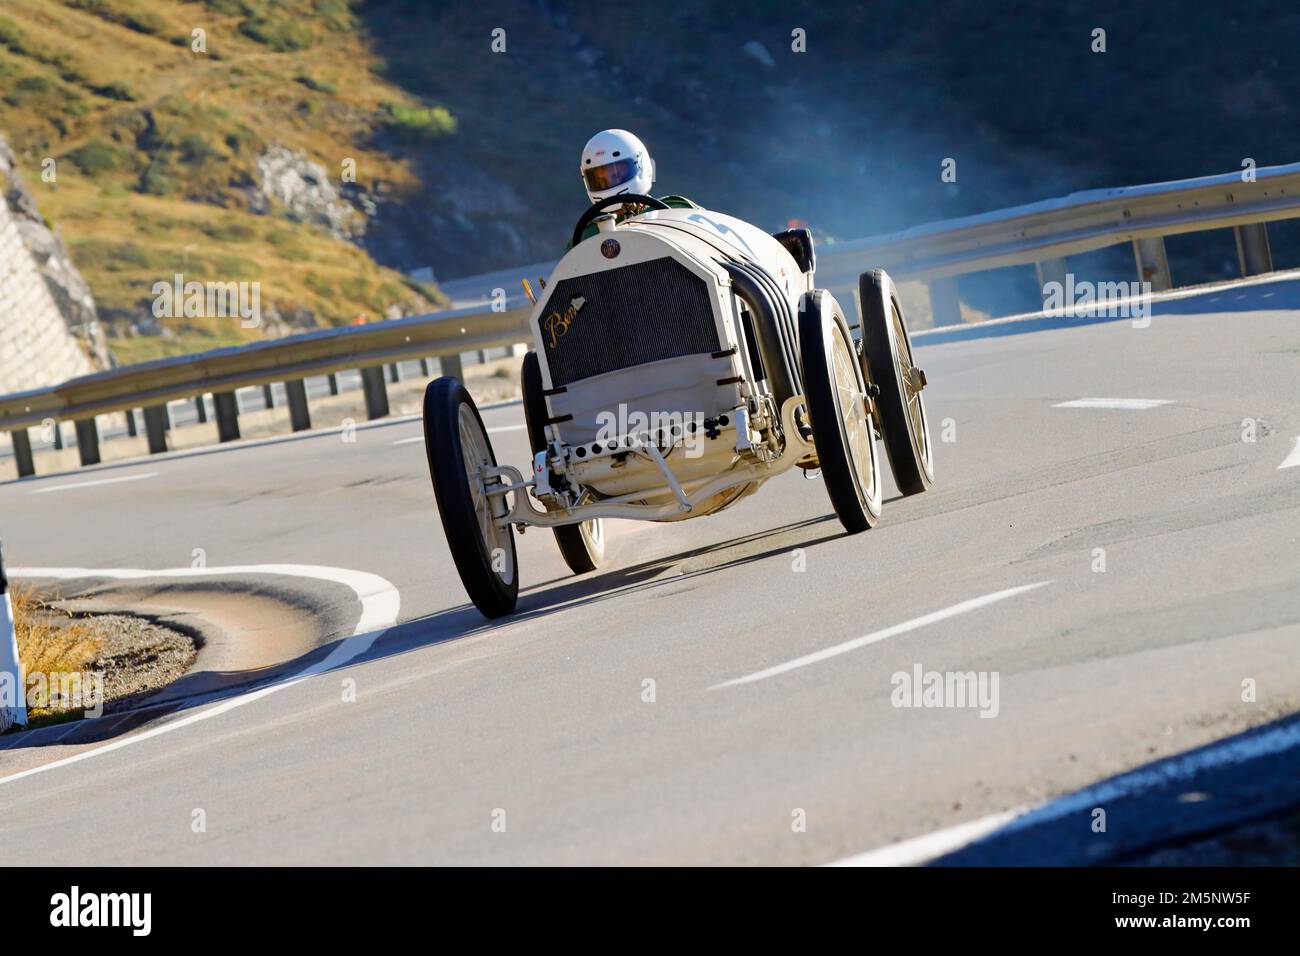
(623,199)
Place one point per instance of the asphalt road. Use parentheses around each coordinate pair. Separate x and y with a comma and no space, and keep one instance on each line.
(542,722)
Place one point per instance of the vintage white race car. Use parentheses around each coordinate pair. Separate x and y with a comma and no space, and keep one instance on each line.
(681,358)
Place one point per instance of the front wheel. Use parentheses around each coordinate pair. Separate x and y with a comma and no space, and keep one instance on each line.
(459,450)
(836,394)
(887,361)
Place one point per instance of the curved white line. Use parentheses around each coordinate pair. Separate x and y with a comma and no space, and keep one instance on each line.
(380,603)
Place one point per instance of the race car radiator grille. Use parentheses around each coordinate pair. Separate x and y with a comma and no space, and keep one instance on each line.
(623,317)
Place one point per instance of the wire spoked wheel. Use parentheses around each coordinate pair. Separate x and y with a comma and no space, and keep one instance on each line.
(888,363)
(459,452)
(582,545)
(842,426)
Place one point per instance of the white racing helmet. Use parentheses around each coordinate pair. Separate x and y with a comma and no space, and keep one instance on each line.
(615,162)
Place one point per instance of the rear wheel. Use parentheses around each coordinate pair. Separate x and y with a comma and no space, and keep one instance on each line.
(843,432)
(582,545)
(887,362)
(458,449)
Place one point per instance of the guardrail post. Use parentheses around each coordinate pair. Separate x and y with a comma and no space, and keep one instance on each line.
(945,304)
(88,441)
(268,395)
(376,392)
(333,381)
(23,452)
(1252,249)
(451,365)
(1152,263)
(1050,270)
(130,423)
(58,437)
(395,373)
(426,369)
(225,405)
(201,409)
(155,428)
(299,414)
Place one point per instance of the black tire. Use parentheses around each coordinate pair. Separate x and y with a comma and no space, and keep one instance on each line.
(582,545)
(887,362)
(448,407)
(843,431)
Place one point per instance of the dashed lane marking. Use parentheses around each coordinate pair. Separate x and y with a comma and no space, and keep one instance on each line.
(874,637)
(1129,404)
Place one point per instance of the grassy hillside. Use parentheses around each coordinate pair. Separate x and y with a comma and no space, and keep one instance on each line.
(156,147)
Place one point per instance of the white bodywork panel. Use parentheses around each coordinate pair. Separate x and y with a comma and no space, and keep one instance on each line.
(695,386)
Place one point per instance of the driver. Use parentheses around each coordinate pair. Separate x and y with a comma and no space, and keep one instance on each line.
(616,162)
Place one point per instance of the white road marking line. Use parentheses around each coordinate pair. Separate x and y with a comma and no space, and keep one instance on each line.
(380,603)
(1132,404)
(1171,771)
(91,484)
(922,849)
(932,618)
(1292,459)
(407,441)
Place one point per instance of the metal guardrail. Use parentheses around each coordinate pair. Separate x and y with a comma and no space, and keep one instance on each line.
(149,385)
(1043,233)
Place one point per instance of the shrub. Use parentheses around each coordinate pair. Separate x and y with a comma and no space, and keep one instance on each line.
(319,285)
(115,91)
(11,36)
(96,157)
(195,149)
(336,14)
(228,231)
(417,123)
(282,36)
(157,182)
(34,84)
(320,86)
(141,21)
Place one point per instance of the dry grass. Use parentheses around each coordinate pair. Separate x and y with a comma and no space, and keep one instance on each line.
(156,149)
(50,641)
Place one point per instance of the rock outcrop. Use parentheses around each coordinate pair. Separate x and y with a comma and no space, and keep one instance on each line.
(307,193)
